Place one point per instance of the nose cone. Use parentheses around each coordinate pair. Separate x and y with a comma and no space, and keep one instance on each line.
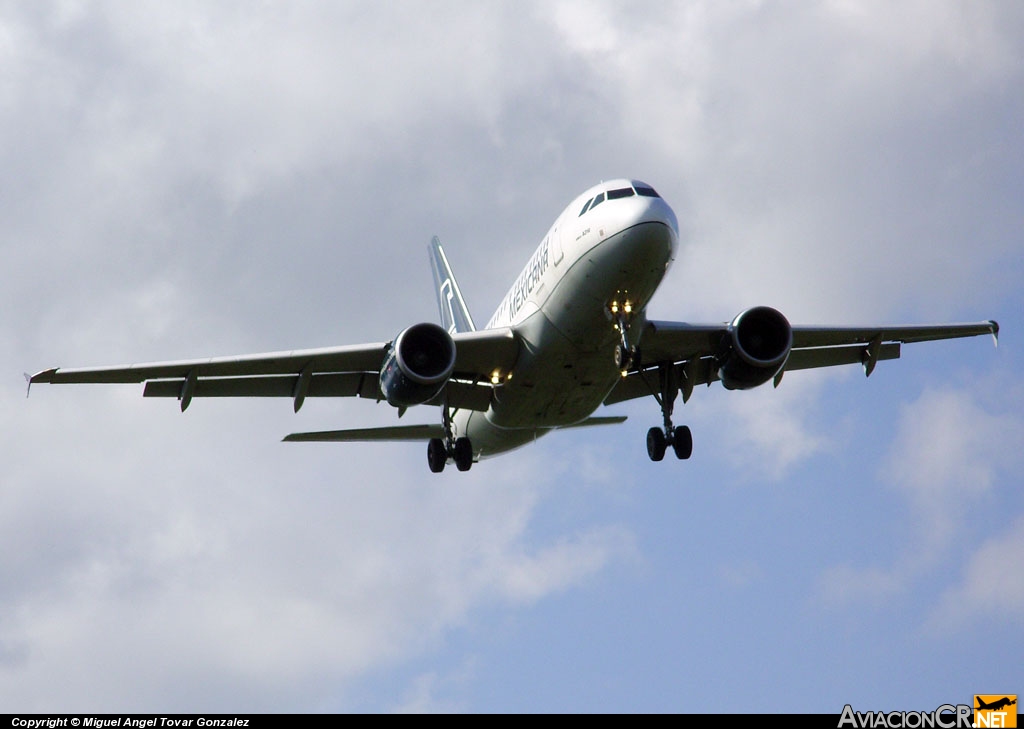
(654,217)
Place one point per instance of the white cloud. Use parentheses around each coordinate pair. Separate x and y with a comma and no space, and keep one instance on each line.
(947,459)
(992,584)
(946,455)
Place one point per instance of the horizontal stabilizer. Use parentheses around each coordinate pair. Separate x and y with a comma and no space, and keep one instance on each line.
(597,420)
(393,433)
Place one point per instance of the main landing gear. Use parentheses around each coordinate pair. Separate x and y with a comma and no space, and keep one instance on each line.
(439,450)
(659,439)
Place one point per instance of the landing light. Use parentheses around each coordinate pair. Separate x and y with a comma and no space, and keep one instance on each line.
(615,307)
(495,377)
(627,307)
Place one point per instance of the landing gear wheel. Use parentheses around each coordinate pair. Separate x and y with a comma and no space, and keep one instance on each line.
(437,456)
(682,442)
(463,454)
(656,444)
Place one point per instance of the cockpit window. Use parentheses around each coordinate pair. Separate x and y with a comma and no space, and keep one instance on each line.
(620,193)
(646,191)
(586,207)
(597,201)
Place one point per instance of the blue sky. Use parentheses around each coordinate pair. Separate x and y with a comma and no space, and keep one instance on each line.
(214,178)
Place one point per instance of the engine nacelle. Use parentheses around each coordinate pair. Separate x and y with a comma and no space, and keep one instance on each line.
(756,348)
(418,365)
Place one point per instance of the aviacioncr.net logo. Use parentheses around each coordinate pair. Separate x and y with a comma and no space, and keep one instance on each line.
(946,716)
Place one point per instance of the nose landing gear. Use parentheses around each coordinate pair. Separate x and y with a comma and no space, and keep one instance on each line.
(622,313)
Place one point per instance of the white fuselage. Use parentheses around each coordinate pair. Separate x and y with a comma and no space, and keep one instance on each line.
(617,251)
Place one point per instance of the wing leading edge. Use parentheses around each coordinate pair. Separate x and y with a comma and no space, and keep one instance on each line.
(691,349)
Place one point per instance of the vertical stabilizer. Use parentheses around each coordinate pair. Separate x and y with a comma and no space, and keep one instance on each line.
(454,313)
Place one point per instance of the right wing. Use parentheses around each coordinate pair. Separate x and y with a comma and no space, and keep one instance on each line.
(347,371)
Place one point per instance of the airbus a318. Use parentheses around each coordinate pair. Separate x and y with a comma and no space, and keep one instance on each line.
(572,334)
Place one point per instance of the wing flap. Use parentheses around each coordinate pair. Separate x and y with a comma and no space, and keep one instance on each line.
(347,384)
(803,359)
(461,395)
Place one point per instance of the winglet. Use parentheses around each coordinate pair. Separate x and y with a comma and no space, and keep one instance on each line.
(44,376)
(995,331)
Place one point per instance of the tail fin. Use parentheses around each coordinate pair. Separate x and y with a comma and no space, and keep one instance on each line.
(454,313)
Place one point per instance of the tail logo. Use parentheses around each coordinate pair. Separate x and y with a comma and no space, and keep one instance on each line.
(447,295)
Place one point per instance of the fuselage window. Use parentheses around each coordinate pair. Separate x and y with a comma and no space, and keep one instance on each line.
(646,191)
(586,207)
(620,193)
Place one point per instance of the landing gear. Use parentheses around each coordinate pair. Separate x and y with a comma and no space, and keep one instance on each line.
(439,450)
(679,438)
(437,455)
(462,454)
(682,442)
(659,439)
(656,444)
(621,314)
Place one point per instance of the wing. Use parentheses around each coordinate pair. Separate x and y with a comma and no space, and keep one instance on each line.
(692,349)
(349,371)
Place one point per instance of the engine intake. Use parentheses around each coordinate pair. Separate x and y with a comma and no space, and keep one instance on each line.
(417,365)
(757,346)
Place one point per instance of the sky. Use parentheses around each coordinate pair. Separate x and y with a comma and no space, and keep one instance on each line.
(211,178)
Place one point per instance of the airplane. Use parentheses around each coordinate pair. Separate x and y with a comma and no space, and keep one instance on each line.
(995,705)
(571,334)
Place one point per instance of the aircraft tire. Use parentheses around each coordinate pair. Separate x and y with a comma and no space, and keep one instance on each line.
(436,455)
(656,444)
(682,442)
(463,455)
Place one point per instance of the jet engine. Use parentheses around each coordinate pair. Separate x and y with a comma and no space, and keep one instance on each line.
(756,347)
(418,365)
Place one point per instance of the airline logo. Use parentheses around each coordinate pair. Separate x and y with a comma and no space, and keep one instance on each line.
(447,296)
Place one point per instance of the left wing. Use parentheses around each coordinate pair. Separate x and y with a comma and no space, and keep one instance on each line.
(692,351)
(347,371)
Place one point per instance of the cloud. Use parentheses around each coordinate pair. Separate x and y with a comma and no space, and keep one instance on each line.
(274,589)
(947,454)
(948,461)
(992,584)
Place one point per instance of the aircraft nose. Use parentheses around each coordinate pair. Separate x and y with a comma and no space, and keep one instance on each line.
(656,210)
